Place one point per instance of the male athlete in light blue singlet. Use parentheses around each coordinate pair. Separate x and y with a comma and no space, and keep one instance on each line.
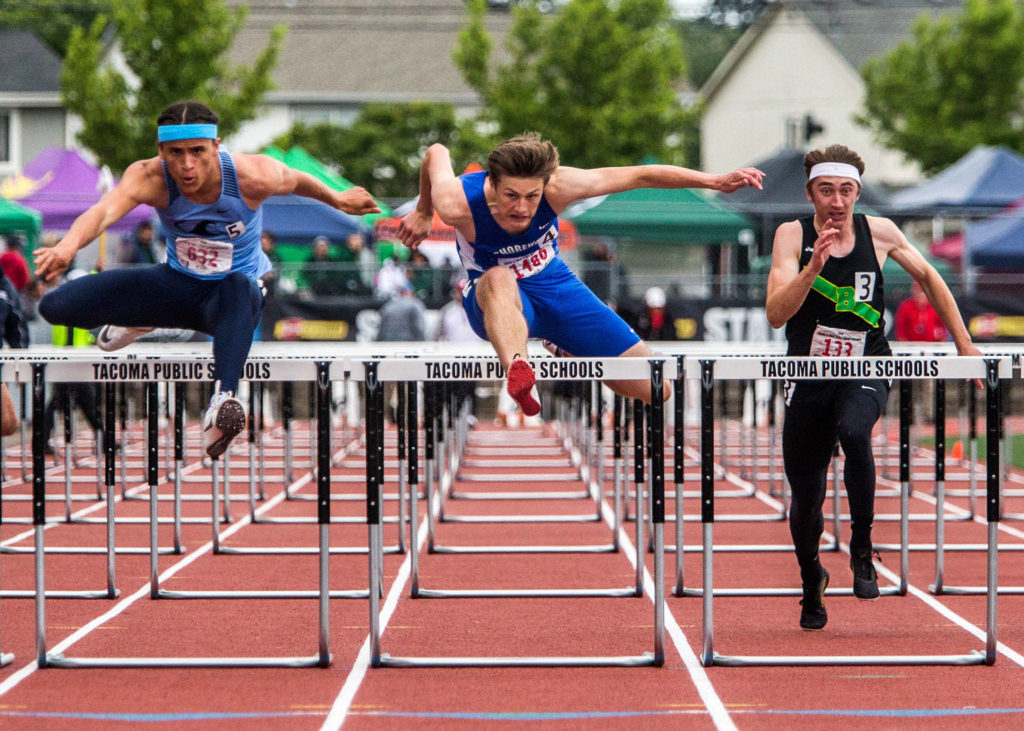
(506,223)
(209,204)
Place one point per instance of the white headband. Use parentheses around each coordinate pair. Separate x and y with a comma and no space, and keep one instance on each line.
(838,169)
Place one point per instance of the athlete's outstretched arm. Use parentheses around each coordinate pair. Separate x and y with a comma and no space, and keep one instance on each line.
(261,176)
(571,184)
(136,187)
(440,190)
(901,251)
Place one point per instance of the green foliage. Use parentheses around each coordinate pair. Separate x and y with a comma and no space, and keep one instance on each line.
(51,20)
(175,50)
(597,78)
(706,44)
(958,84)
(383,148)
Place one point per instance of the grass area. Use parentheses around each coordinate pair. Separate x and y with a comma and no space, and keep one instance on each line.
(1016,447)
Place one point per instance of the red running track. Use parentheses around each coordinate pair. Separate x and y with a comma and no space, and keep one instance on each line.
(682,693)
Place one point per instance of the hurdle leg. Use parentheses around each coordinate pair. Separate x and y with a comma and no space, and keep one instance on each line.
(109,447)
(940,484)
(179,458)
(412,427)
(707,487)
(638,485)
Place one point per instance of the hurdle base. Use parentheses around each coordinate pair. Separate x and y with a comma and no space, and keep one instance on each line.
(528,593)
(61,661)
(882,591)
(644,660)
(608,548)
(241,594)
(6,658)
(975,657)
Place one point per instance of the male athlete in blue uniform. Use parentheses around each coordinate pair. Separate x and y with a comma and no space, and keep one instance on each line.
(209,204)
(825,286)
(506,223)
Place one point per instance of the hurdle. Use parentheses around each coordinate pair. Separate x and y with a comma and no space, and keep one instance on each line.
(990,369)
(145,369)
(374,373)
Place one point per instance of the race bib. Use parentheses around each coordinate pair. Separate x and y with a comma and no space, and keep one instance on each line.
(203,256)
(838,343)
(529,264)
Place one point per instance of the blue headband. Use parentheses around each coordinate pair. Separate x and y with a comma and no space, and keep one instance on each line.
(172,132)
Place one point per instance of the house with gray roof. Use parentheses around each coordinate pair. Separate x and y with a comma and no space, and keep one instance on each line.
(341,54)
(799,63)
(31,115)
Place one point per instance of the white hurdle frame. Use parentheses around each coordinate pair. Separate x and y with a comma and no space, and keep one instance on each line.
(374,372)
(81,367)
(989,369)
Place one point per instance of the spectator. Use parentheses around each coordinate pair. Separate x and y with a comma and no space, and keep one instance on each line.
(402,319)
(917,320)
(269,245)
(425,280)
(390,279)
(319,271)
(355,259)
(140,248)
(603,274)
(13,263)
(653,323)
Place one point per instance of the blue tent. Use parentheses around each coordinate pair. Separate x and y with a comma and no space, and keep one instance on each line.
(298,220)
(984,179)
(997,242)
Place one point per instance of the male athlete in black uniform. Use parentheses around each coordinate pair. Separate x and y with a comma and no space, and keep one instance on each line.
(825,285)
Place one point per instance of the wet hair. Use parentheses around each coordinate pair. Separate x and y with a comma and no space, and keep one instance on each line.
(832,153)
(525,156)
(187,112)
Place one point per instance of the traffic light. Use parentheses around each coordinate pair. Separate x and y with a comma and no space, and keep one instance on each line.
(811,127)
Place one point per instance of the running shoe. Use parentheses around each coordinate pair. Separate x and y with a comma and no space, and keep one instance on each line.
(865,578)
(223,421)
(812,607)
(115,337)
(520,387)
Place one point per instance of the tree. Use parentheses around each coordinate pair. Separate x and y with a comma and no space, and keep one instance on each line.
(598,79)
(52,20)
(175,50)
(383,148)
(958,84)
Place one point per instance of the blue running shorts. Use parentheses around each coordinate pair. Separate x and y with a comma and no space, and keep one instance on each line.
(560,308)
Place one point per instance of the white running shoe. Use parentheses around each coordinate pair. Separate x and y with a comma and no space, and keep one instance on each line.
(115,337)
(223,421)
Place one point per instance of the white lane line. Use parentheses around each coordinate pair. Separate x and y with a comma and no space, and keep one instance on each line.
(143,591)
(339,709)
(705,688)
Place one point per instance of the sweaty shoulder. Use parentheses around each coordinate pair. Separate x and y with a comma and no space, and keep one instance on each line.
(144,182)
(259,176)
(885,233)
(788,232)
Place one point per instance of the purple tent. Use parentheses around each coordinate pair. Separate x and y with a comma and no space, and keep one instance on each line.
(63,185)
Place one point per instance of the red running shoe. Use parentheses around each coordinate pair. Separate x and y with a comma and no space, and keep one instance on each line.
(520,387)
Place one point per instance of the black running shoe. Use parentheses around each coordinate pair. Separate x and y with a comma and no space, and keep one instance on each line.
(812,613)
(865,578)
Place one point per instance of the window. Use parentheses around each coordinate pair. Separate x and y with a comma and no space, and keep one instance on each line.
(5,137)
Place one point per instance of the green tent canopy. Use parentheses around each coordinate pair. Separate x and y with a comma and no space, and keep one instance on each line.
(297,157)
(16,218)
(676,216)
